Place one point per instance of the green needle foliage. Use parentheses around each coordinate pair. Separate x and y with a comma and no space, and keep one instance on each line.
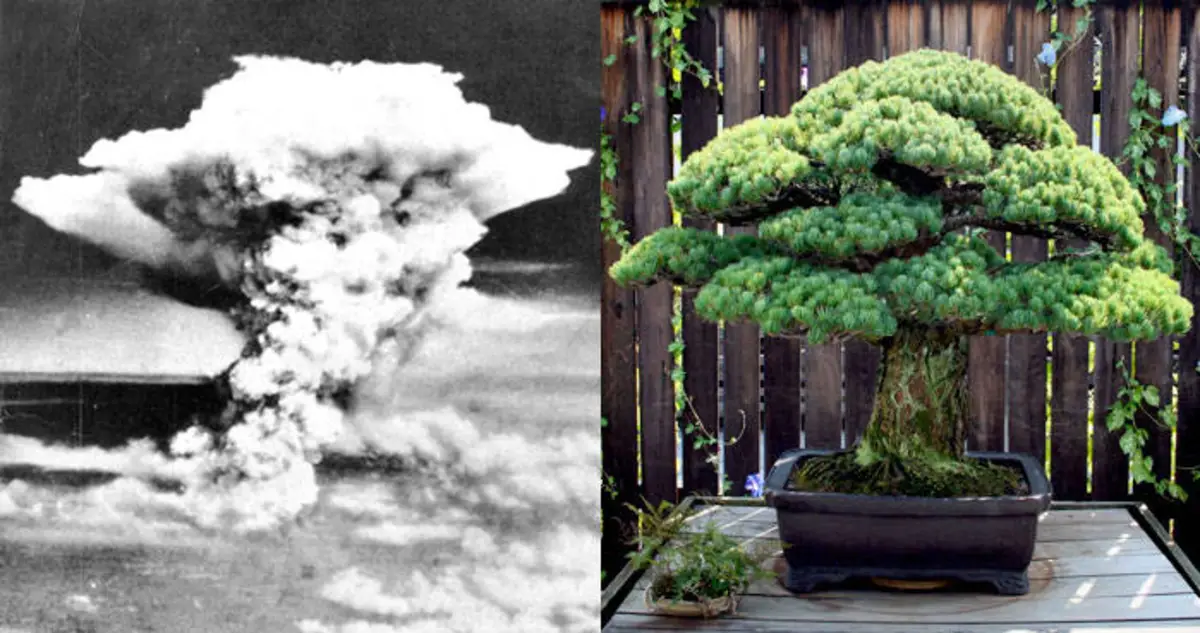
(871,199)
(862,195)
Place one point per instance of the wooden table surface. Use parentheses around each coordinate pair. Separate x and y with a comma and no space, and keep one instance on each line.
(1093,570)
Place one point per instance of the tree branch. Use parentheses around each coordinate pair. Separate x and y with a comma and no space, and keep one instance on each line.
(789,198)
(913,181)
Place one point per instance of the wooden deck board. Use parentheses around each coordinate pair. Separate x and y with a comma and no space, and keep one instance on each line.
(1094,570)
(627,623)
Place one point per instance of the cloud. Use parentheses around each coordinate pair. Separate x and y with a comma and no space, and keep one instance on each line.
(277,117)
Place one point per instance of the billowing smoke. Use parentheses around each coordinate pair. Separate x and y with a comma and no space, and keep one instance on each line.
(339,199)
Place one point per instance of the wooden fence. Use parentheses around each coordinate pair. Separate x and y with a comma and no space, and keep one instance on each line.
(778,394)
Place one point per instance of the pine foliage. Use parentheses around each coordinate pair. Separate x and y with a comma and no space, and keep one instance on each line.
(870,197)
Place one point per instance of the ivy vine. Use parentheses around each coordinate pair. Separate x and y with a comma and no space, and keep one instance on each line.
(1147,132)
(668,19)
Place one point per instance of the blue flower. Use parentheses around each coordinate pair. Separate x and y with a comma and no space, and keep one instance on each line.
(1173,116)
(754,484)
(1048,55)
(603,114)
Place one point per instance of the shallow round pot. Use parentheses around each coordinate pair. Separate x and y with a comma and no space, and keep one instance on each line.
(687,609)
(831,537)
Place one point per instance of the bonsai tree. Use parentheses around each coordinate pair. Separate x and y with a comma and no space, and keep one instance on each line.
(870,199)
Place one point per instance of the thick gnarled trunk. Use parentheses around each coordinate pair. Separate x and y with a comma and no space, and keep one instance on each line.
(921,400)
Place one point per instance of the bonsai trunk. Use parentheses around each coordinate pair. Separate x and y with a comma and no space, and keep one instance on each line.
(921,401)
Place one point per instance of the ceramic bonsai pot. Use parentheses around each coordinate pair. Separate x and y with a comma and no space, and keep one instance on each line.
(833,537)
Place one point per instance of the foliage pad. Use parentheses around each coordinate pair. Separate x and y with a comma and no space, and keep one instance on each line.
(862,196)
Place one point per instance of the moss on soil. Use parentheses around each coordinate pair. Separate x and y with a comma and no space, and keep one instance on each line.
(933,477)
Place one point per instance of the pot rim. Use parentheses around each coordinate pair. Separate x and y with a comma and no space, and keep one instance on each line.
(1036,502)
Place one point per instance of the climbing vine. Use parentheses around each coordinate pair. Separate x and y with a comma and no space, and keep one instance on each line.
(1148,132)
(1134,397)
(611,226)
(668,19)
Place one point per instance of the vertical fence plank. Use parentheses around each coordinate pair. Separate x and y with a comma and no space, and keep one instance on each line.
(782,40)
(949,25)
(699,125)
(864,33)
(1160,66)
(649,156)
(742,359)
(864,40)
(986,366)
(1187,524)
(1118,25)
(1069,392)
(905,26)
(823,368)
(1026,375)
(618,401)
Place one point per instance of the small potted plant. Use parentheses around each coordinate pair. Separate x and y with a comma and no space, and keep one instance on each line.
(695,574)
(871,198)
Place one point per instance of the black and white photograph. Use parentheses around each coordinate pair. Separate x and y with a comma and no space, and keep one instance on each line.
(299,316)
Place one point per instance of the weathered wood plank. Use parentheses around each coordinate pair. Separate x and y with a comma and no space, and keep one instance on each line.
(863,29)
(649,156)
(1161,24)
(783,398)
(618,398)
(1135,544)
(1026,391)
(625,622)
(1069,388)
(987,354)
(742,362)
(906,26)
(1187,524)
(1087,517)
(825,36)
(1049,533)
(949,25)
(1046,585)
(700,342)
(1117,24)
(1106,569)
(973,610)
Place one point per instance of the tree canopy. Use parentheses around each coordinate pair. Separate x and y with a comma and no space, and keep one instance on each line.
(870,198)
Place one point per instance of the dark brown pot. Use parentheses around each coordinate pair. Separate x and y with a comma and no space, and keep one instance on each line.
(832,537)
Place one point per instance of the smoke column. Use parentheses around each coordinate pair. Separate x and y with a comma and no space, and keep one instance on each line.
(339,200)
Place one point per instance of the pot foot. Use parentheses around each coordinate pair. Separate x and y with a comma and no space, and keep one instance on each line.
(809,579)
(1011,583)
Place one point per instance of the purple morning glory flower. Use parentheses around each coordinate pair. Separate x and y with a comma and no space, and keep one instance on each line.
(1048,55)
(603,114)
(754,484)
(1173,116)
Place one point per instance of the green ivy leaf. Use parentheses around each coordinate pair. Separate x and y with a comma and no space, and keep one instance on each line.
(1116,419)
(1129,443)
